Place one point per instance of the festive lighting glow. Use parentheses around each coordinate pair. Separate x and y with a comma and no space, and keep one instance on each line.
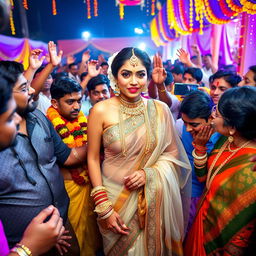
(86,35)
(142,46)
(138,31)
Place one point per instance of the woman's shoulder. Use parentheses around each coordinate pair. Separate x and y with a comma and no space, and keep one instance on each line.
(105,105)
(160,104)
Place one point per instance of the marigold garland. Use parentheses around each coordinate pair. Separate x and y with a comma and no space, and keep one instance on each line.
(72,133)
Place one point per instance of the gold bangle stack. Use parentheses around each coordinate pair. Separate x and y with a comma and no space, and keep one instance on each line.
(199,161)
(21,250)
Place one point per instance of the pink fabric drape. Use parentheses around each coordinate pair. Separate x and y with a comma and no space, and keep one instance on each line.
(109,45)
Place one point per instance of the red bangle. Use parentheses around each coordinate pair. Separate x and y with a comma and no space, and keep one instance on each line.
(101,201)
(199,148)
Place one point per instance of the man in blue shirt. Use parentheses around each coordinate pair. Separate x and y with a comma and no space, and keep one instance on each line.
(196,113)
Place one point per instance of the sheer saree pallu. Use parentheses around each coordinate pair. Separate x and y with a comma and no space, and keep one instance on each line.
(154,213)
(82,217)
(226,216)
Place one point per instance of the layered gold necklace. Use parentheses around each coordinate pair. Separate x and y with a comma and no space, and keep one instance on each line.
(133,110)
(210,175)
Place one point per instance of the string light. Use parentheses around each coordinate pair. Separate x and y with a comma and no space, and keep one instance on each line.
(121,11)
(25,4)
(88,3)
(153,7)
(54,7)
(12,25)
(191,15)
(95,6)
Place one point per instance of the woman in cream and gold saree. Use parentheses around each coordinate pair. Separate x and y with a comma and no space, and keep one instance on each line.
(137,190)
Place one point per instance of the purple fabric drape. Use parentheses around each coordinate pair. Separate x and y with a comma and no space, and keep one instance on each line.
(11,47)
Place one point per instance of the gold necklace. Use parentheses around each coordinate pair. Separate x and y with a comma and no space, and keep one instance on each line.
(132,108)
(211,176)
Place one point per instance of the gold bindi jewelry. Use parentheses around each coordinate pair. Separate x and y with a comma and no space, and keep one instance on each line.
(134,61)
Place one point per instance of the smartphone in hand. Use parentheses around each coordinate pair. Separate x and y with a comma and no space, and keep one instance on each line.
(184,89)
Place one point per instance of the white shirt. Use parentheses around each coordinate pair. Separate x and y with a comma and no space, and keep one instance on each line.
(43,103)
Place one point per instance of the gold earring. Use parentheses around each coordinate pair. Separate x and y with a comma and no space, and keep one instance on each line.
(117,90)
(230,138)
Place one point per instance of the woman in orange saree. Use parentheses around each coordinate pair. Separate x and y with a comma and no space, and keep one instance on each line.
(226,218)
(137,190)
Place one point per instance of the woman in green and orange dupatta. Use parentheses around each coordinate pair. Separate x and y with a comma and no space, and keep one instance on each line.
(226,218)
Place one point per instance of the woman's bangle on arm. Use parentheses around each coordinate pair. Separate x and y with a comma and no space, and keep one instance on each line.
(21,250)
(103,206)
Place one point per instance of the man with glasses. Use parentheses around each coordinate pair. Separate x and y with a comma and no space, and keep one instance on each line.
(34,181)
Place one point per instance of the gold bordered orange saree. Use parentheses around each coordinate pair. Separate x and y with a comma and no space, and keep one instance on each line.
(226,218)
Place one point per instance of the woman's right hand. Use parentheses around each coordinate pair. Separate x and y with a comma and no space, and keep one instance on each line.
(115,224)
(203,136)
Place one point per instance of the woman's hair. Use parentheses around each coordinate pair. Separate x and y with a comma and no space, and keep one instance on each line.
(197,104)
(228,76)
(125,54)
(238,108)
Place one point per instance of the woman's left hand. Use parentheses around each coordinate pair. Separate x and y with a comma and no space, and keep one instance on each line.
(158,74)
(135,180)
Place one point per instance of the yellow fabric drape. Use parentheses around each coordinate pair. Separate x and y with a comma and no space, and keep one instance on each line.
(82,218)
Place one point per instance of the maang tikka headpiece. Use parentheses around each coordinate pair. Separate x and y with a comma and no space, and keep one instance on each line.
(134,61)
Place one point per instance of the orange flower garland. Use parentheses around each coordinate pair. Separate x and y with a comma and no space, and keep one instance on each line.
(74,134)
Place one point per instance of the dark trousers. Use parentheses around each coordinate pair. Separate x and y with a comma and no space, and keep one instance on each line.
(73,250)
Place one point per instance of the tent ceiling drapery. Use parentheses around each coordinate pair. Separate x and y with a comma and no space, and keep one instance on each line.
(109,45)
(180,17)
(18,49)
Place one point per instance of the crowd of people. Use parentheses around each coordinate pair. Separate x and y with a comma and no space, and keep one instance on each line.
(106,157)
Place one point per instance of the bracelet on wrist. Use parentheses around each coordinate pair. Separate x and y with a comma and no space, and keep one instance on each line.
(200,148)
(199,167)
(200,162)
(21,250)
(161,90)
(198,157)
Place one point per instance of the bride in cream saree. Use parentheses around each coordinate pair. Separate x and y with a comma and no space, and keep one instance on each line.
(157,213)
